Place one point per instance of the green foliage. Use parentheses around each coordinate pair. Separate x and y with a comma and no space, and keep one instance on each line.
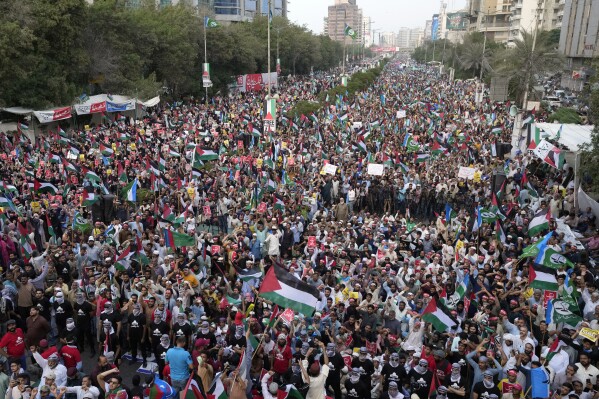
(358,82)
(304,108)
(565,115)
(51,51)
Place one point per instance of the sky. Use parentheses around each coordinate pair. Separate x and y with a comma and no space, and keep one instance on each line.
(387,15)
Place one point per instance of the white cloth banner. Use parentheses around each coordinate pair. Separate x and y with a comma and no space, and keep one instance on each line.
(466,172)
(584,202)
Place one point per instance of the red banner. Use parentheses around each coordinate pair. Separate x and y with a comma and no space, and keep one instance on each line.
(253,82)
(97,107)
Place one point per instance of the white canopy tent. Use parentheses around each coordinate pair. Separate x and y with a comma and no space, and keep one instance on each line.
(571,136)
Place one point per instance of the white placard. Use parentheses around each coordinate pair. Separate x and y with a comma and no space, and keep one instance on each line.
(330,169)
(357,125)
(376,169)
(466,172)
(401,114)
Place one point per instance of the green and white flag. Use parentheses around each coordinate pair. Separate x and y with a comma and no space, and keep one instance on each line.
(80,223)
(210,23)
(350,32)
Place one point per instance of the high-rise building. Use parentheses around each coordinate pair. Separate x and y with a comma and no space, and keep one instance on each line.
(403,38)
(388,39)
(342,13)
(504,20)
(579,31)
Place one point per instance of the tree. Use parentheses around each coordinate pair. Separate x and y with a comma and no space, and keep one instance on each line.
(474,55)
(520,63)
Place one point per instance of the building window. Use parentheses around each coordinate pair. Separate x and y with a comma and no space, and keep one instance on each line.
(227,7)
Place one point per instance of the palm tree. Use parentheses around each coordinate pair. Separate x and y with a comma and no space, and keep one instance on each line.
(473,56)
(520,63)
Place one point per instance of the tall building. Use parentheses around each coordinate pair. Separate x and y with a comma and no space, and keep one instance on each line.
(579,31)
(428,27)
(504,20)
(342,13)
(408,38)
(388,39)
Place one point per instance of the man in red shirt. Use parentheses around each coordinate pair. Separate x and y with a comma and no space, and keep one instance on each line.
(71,356)
(281,357)
(12,344)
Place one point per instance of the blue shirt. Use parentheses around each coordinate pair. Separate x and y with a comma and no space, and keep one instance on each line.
(179,360)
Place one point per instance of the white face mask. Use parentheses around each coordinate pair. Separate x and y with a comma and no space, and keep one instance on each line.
(354,379)
(60,299)
(70,326)
(204,330)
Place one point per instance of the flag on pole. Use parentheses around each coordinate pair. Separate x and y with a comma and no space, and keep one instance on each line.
(539,223)
(132,191)
(288,291)
(210,23)
(350,32)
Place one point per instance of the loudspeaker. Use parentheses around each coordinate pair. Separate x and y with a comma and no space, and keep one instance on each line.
(497,181)
(108,207)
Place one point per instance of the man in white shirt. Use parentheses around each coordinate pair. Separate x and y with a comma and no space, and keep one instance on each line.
(586,371)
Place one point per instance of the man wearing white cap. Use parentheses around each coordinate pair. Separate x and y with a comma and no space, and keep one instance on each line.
(51,366)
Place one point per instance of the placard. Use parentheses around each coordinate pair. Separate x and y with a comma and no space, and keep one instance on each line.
(207,211)
(262,207)
(466,172)
(215,249)
(401,114)
(589,334)
(547,296)
(376,169)
(312,242)
(287,316)
(330,169)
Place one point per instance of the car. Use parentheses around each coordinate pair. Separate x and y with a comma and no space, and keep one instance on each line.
(553,101)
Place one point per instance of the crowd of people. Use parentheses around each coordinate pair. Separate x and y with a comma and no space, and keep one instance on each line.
(146,242)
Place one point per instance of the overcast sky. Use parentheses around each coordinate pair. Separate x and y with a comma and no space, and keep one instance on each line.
(387,15)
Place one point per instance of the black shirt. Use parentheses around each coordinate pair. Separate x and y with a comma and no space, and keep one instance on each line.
(136,325)
(484,392)
(397,374)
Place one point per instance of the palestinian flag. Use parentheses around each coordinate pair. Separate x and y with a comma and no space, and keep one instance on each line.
(497,130)
(279,203)
(26,247)
(500,234)
(192,390)
(550,154)
(419,158)
(361,146)
(9,188)
(288,291)
(69,166)
(173,153)
(525,184)
(249,274)
(106,151)
(88,198)
(44,187)
(154,168)
(162,164)
(539,223)
(555,347)
(54,158)
(439,316)
(50,228)
(174,239)
(206,155)
(289,392)
(123,262)
(542,277)
(91,175)
(314,118)
(217,390)
(438,149)
(270,163)
(271,185)
(74,149)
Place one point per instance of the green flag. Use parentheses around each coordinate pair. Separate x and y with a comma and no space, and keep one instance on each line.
(350,32)
(210,23)
(80,223)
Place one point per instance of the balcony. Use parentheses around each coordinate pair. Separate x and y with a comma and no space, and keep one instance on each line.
(517,4)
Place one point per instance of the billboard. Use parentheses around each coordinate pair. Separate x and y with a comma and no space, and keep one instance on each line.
(435,27)
(254,82)
(457,21)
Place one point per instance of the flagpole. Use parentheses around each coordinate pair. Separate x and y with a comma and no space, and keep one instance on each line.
(268,29)
(205,56)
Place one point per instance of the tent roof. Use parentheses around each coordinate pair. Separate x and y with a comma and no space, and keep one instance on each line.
(572,135)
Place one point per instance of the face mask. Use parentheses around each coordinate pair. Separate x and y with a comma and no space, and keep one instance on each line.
(295,369)
(60,299)
(354,379)
(393,393)
(204,330)
(488,383)
(190,256)
(80,299)
(136,312)
(330,353)
(362,357)
(393,363)
(70,326)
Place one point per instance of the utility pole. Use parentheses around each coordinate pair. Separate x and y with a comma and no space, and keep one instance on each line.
(268,29)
